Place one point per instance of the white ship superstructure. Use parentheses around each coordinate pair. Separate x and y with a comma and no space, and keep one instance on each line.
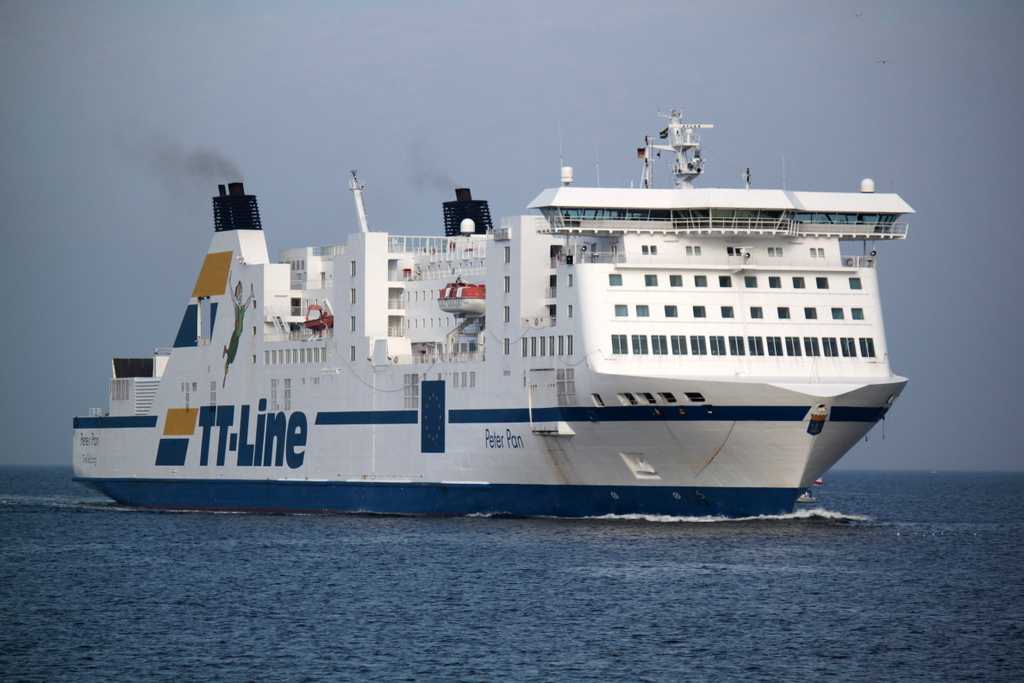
(669,351)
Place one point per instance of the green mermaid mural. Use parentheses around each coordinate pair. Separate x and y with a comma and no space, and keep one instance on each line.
(240,307)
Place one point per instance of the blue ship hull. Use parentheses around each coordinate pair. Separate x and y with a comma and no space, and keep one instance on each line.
(521,500)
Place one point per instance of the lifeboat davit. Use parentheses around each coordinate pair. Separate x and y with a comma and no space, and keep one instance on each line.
(322,321)
(463,299)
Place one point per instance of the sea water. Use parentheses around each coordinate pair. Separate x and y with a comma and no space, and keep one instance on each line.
(890,576)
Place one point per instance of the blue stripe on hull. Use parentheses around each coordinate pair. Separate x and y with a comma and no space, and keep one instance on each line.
(525,500)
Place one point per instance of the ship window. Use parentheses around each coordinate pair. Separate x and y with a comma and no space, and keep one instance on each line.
(561,345)
(667,396)
(775,282)
(619,344)
(857,313)
(756,312)
(699,312)
(756,346)
(640,344)
(848,348)
(643,311)
(352,324)
(855,283)
(628,399)
(455,380)
(568,311)
(792,346)
(727,312)
(675,280)
(621,310)
(505,345)
(867,347)
(352,268)
(811,313)
(817,253)
(508,314)
(736,346)
(774,251)
(508,284)
(811,346)
(725,281)
(798,283)
(615,279)
(543,344)
(830,347)
(694,396)
(837,314)
(783,312)
(678,345)
(352,353)
(822,282)
(649,397)
(659,345)
(533,346)
(524,345)
(508,254)
(651,280)
(700,280)
(774,346)
(750,281)
(568,344)
(411,391)
(671,312)
(598,401)
(717,345)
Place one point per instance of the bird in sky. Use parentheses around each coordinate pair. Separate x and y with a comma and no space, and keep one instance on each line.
(883,61)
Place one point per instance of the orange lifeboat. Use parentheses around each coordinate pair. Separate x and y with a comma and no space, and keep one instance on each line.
(463,299)
(322,321)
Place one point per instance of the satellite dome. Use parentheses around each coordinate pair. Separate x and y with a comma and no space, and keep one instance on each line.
(467,226)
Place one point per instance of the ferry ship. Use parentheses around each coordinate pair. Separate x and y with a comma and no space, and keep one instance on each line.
(618,351)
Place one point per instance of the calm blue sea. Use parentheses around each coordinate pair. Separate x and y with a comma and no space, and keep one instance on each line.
(907,576)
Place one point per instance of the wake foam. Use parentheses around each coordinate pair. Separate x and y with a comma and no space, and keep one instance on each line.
(815,514)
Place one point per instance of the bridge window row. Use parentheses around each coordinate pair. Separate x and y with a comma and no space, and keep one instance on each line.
(726,281)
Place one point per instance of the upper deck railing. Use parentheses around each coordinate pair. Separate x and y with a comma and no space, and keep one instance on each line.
(813,225)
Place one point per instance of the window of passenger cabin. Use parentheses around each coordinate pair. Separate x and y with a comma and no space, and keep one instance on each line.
(671,312)
(621,310)
(817,253)
(651,250)
(700,280)
(699,312)
(615,279)
(750,281)
(640,344)
(837,314)
(659,345)
(775,282)
(675,280)
(678,345)
(725,281)
(798,283)
(568,311)
(811,347)
(699,345)
(774,252)
(693,251)
(756,312)
(508,254)
(822,282)
(727,312)
(508,314)
(756,345)
(774,346)
(855,283)
(848,347)
(867,347)
(717,346)
(857,313)
(568,281)
(651,280)
(783,313)
(352,268)
(508,284)
(736,346)
(792,346)
(643,311)
(830,347)
(619,344)
(811,313)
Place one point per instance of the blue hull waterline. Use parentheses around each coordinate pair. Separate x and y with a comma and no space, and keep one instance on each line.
(446,499)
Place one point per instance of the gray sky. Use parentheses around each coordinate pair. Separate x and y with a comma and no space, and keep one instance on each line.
(118,119)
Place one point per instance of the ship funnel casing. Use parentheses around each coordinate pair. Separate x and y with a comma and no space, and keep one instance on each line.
(235,210)
(465,207)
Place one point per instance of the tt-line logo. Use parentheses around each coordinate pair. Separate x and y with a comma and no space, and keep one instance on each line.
(277,440)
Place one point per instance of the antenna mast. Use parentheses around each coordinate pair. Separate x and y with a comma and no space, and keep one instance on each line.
(356,186)
(682,142)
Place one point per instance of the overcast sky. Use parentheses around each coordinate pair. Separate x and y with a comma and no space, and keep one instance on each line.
(118,119)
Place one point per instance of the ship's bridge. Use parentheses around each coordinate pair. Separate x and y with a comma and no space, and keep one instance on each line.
(609,211)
